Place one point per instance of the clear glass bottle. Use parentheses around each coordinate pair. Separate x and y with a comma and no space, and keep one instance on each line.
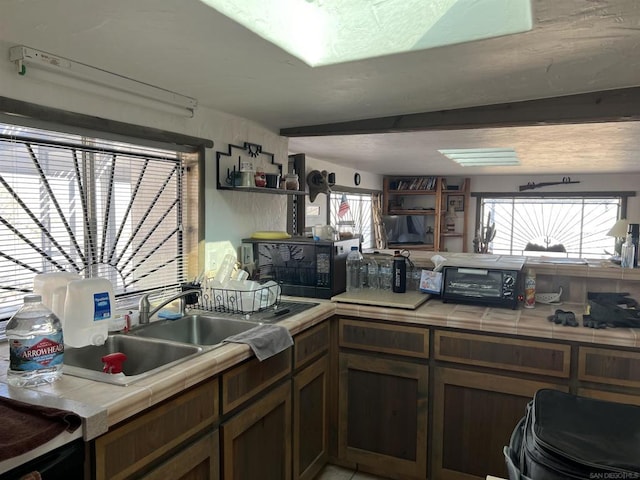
(36,346)
(628,252)
(354,268)
(372,274)
(385,269)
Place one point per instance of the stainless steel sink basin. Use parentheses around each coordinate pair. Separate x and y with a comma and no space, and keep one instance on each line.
(196,329)
(145,357)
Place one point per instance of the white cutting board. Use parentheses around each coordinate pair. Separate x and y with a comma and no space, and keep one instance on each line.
(384,298)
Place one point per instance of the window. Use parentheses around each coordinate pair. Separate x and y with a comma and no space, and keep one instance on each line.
(568,226)
(94,207)
(352,212)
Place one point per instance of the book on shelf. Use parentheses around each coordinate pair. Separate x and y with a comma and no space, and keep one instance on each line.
(414,183)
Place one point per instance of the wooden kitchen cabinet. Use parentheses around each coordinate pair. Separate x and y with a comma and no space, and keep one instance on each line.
(256,442)
(311,401)
(142,445)
(382,404)
(310,419)
(198,461)
(474,414)
(248,379)
(608,374)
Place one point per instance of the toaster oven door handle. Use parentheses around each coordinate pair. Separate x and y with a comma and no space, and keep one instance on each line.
(473,271)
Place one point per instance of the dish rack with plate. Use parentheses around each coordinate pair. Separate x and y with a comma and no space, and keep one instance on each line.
(215,299)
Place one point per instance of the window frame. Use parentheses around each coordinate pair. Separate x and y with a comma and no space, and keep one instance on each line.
(339,190)
(25,114)
(479,196)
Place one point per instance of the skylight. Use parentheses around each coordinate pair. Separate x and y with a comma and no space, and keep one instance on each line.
(325,32)
(483,157)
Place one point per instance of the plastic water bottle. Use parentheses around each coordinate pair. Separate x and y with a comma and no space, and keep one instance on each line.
(36,346)
(372,274)
(354,268)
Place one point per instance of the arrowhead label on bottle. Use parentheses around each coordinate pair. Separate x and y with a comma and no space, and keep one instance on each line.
(34,354)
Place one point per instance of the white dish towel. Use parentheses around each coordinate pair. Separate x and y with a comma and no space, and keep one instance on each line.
(264,340)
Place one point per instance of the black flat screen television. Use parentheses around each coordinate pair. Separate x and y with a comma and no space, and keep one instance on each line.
(407,229)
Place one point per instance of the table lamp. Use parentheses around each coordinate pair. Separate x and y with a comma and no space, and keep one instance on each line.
(619,231)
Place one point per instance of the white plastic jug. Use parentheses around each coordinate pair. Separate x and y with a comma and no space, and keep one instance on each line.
(47,285)
(89,307)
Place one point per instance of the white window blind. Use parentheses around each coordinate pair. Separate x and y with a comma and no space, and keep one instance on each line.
(94,207)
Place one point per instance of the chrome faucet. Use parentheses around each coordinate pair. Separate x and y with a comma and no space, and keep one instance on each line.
(144,305)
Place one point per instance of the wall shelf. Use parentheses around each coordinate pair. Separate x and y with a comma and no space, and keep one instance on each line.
(272,191)
(429,197)
(226,165)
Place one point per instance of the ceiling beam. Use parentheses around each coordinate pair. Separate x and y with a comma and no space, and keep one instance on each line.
(604,106)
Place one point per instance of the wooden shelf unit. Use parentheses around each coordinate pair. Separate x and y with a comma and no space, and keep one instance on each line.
(428,196)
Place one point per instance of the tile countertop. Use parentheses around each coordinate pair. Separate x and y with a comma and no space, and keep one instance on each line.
(585,268)
(527,322)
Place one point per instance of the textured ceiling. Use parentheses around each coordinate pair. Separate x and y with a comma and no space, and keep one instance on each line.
(576,46)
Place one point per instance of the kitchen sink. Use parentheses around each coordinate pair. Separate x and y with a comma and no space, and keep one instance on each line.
(159,345)
(145,357)
(196,329)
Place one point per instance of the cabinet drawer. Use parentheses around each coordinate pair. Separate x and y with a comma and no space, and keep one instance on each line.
(241,383)
(610,396)
(310,344)
(609,366)
(379,337)
(125,450)
(256,442)
(200,459)
(541,358)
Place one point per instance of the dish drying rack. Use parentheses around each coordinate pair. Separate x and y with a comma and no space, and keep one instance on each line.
(214,299)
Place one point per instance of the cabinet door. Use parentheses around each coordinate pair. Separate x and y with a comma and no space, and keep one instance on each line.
(310,419)
(383,415)
(197,461)
(241,383)
(474,415)
(132,447)
(257,440)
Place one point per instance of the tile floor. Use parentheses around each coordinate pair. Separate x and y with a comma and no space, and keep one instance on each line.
(333,472)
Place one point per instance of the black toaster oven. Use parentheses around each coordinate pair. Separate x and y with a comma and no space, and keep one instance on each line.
(302,266)
(495,287)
